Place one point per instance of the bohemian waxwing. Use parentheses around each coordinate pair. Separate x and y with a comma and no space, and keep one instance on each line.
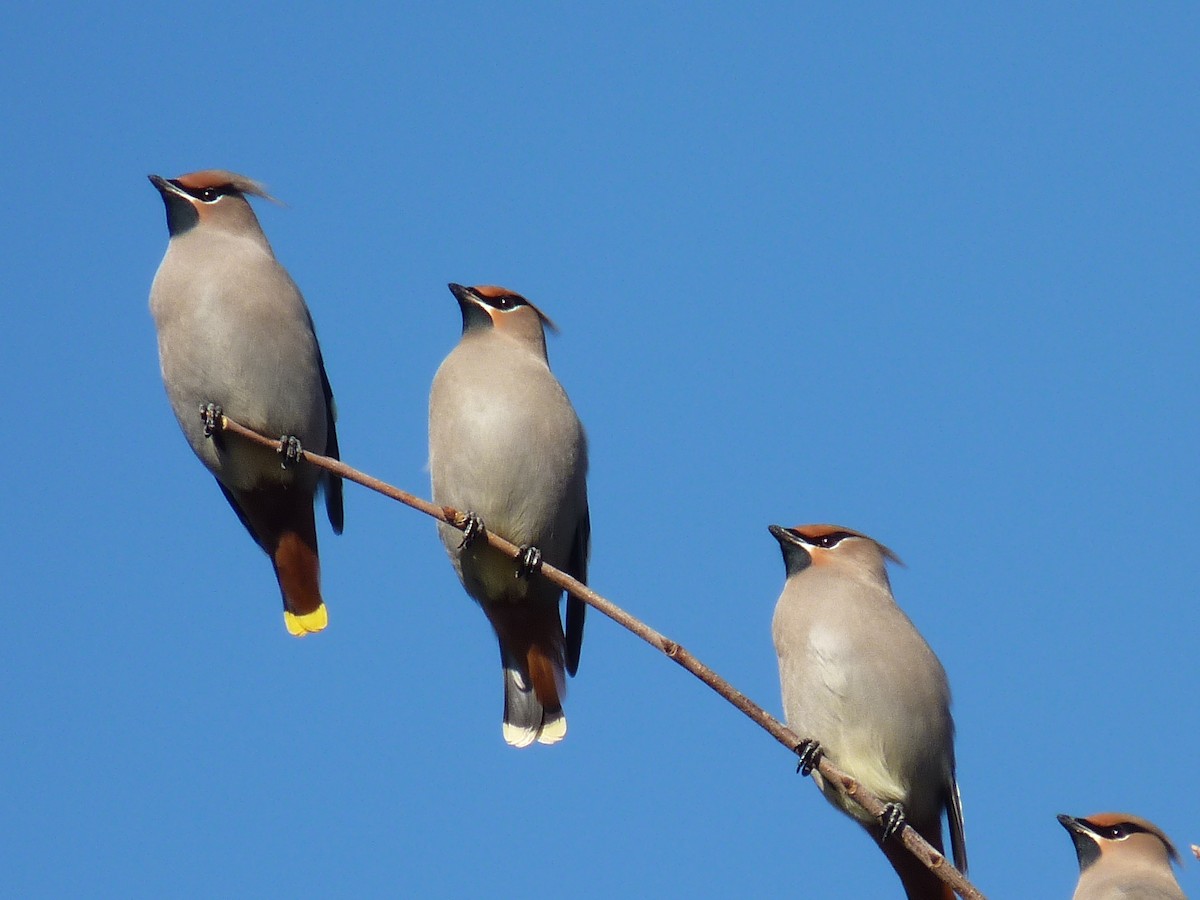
(859,680)
(506,446)
(1122,856)
(235,336)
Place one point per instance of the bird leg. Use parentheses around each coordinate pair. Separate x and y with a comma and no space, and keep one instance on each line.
(472,529)
(213,417)
(809,753)
(529,561)
(892,819)
(290,450)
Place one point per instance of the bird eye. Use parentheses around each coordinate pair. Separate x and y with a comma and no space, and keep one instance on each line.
(1116,832)
(208,195)
(506,301)
(829,541)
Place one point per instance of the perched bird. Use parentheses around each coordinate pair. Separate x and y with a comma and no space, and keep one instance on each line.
(1122,857)
(506,446)
(235,337)
(859,680)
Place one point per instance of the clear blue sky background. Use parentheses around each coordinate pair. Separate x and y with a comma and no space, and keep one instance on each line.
(931,274)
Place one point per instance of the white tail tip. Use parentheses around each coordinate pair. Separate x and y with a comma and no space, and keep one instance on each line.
(554,730)
(517,736)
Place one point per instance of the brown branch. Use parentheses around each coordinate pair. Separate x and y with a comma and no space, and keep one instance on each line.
(916,844)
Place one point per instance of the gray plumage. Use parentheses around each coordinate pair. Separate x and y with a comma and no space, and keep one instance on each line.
(506,444)
(857,676)
(1122,857)
(233,330)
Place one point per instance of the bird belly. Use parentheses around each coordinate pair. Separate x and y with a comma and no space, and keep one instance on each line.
(492,458)
(831,690)
(255,384)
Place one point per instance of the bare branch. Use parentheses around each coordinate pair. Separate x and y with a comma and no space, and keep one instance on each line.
(916,844)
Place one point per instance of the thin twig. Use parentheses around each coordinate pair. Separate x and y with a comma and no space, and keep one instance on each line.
(846,785)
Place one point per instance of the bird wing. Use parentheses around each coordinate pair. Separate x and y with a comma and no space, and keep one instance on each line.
(958,837)
(576,608)
(333,483)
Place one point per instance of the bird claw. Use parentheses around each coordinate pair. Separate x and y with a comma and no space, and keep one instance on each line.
(213,417)
(472,530)
(809,753)
(529,561)
(893,820)
(290,450)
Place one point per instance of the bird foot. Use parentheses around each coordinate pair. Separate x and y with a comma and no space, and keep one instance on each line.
(529,561)
(892,819)
(290,450)
(809,753)
(472,530)
(213,417)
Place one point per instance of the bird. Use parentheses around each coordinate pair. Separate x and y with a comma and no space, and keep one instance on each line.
(1122,856)
(235,338)
(863,687)
(506,447)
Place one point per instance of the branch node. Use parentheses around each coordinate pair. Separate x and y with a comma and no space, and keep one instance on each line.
(670,648)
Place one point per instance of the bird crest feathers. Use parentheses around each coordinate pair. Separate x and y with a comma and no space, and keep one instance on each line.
(213,178)
(496,292)
(1100,822)
(819,534)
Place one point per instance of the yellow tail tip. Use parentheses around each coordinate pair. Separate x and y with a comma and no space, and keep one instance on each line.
(309,623)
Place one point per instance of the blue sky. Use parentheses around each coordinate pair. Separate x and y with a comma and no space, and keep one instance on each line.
(930,273)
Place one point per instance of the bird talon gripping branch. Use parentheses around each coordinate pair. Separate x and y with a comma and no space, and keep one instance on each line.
(213,417)
(529,562)
(290,449)
(473,530)
(892,819)
(809,753)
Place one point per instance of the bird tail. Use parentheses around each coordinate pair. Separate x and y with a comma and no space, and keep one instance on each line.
(918,880)
(532,653)
(280,518)
(299,573)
